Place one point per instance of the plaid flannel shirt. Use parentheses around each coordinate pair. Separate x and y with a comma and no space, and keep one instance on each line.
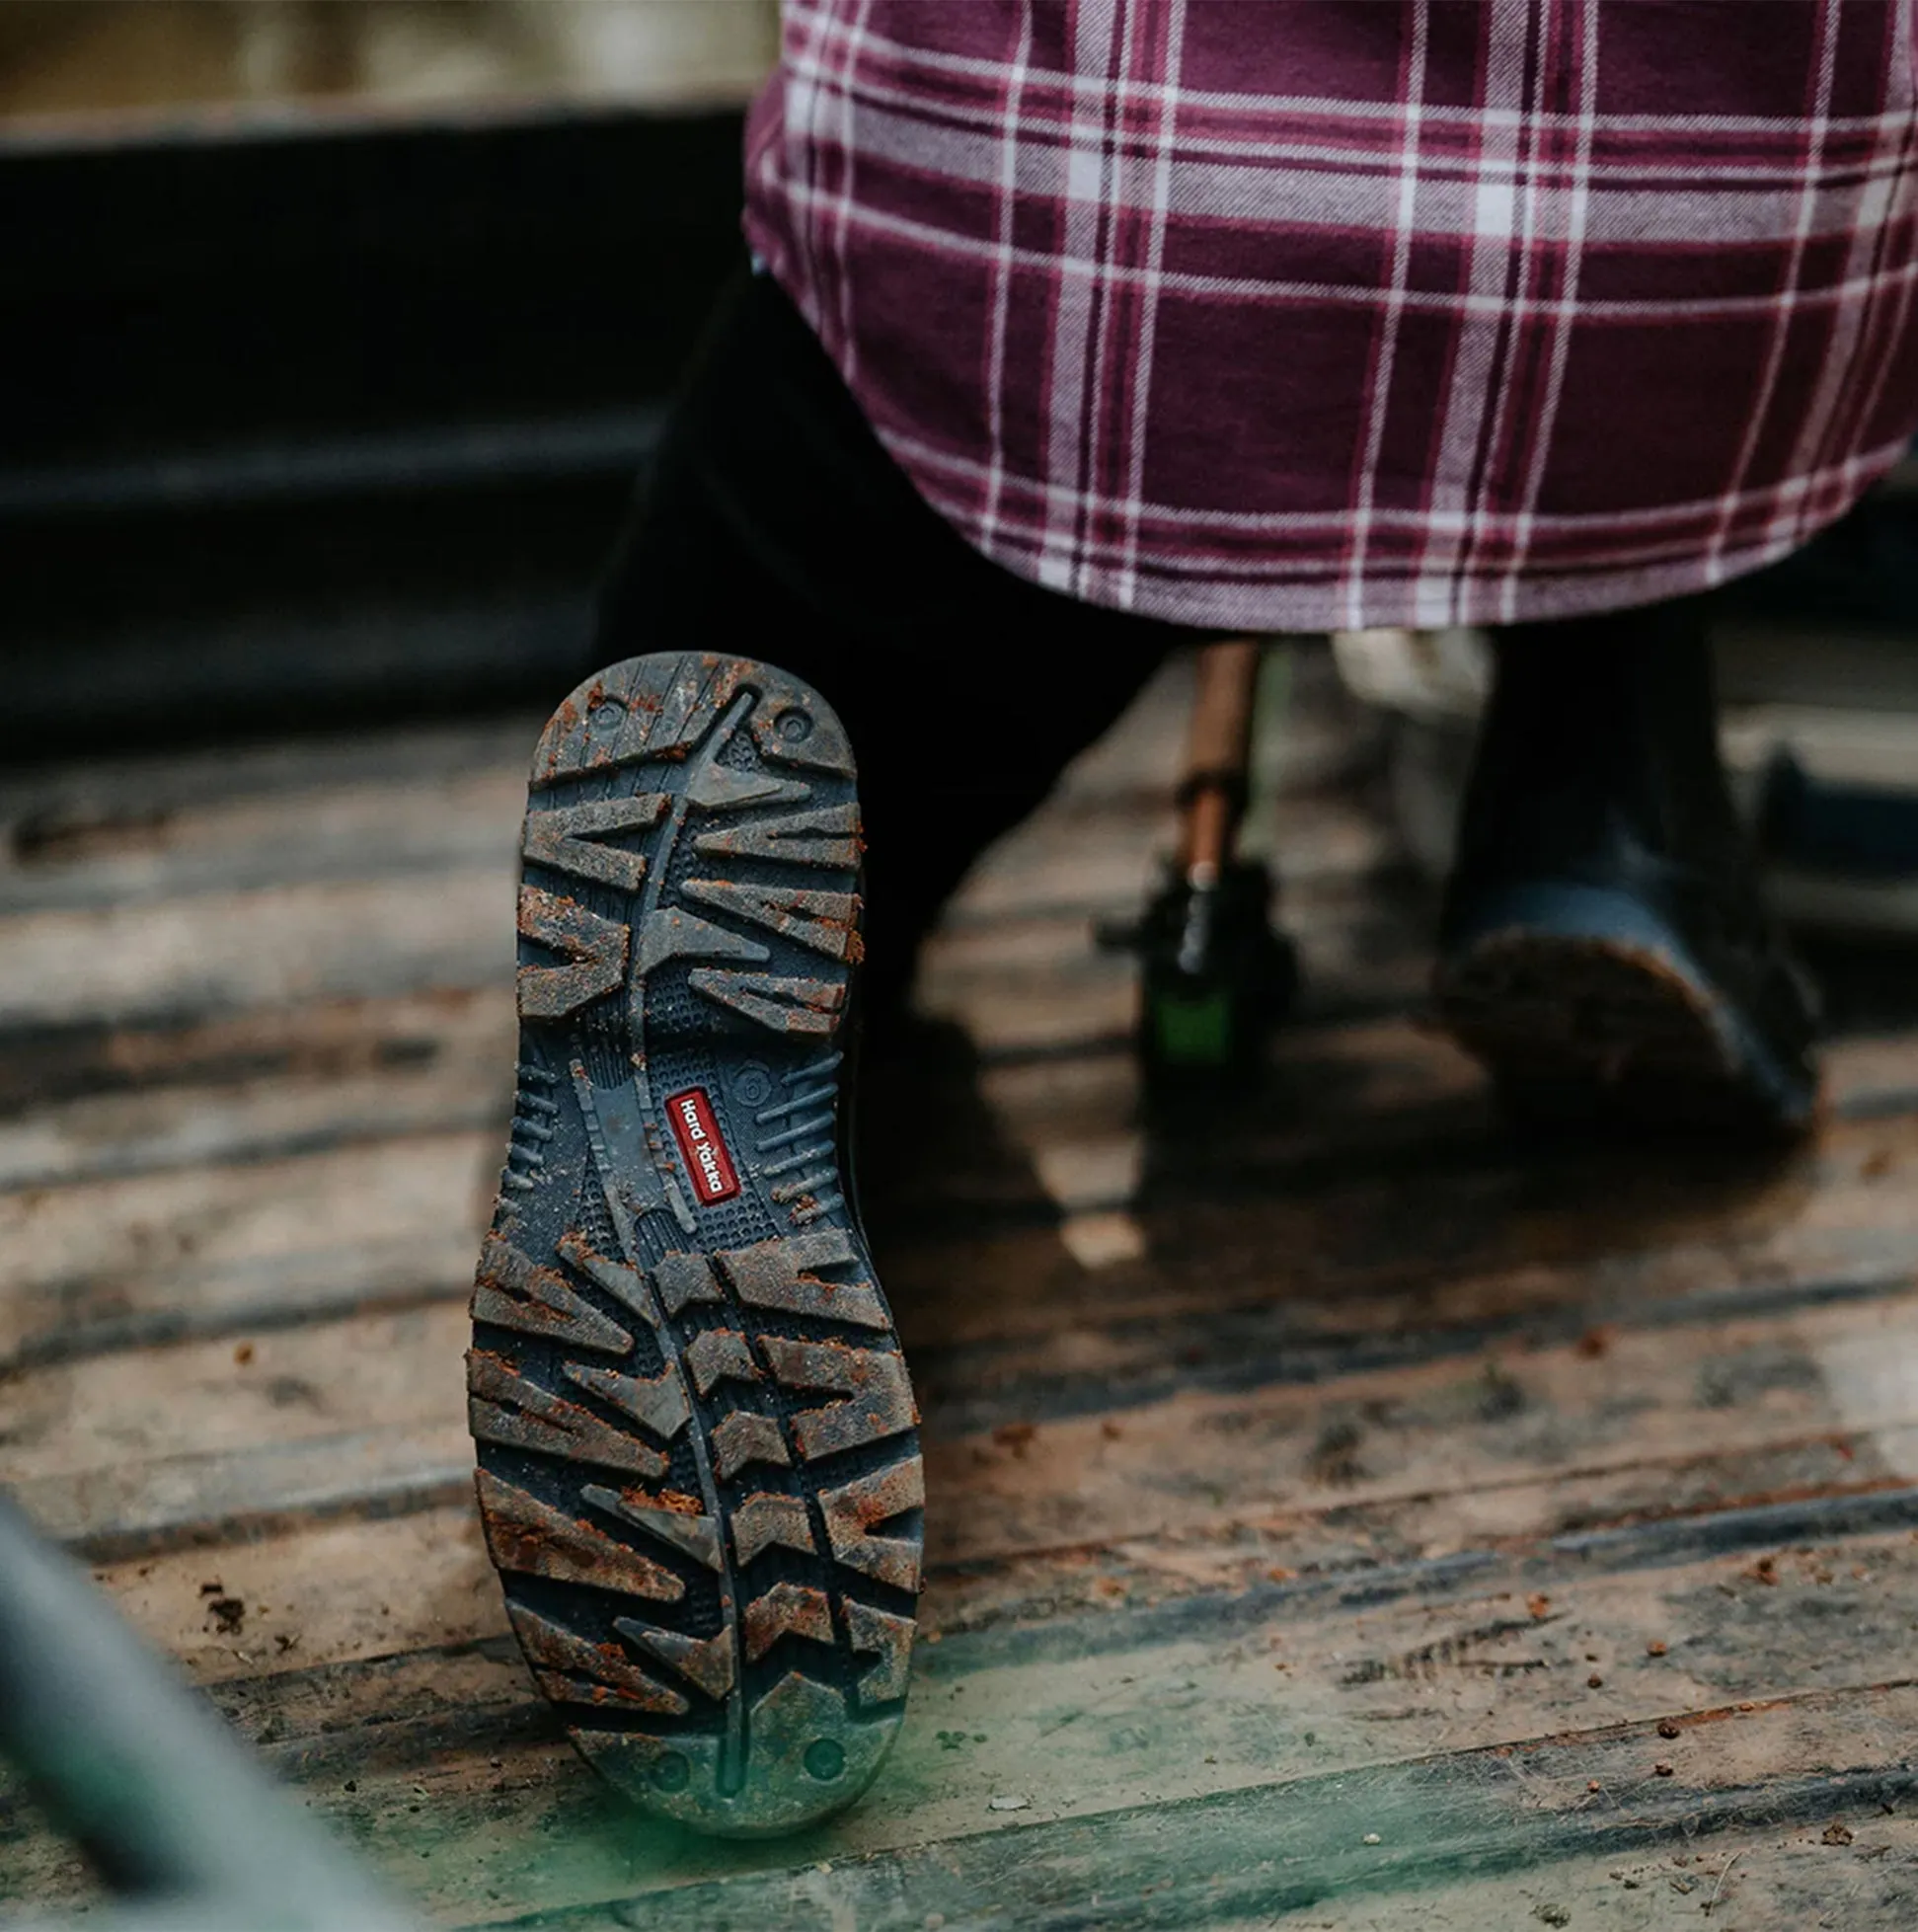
(1312,314)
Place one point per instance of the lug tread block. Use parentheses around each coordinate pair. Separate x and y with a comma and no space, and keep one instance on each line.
(683,1280)
(1583,1029)
(742,1439)
(824,922)
(659,1402)
(579,1673)
(623,1283)
(512,1290)
(878,1398)
(716,1354)
(671,933)
(875,1632)
(562,1689)
(534,1540)
(646,707)
(766,1519)
(778,1002)
(723,788)
(696,692)
(787,1608)
(595,947)
(852,1511)
(504,1407)
(687,1530)
(826,837)
(792,727)
(563,837)
(707,1662)
(785,1786)
(782,1274)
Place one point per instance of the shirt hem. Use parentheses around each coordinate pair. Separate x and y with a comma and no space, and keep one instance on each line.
(1155,589)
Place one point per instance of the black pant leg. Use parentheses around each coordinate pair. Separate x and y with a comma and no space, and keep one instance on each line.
(776,526)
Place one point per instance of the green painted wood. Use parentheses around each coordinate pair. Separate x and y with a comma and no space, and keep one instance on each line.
(1333,1846)
(1766,1661)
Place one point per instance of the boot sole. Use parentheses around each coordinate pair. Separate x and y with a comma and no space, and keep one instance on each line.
(698,1471)
(1589,1011)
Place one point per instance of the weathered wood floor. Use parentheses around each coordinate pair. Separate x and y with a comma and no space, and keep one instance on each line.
(1340,1517)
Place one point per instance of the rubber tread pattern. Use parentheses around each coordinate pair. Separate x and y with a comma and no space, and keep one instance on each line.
(1590,1031)
(699,1467)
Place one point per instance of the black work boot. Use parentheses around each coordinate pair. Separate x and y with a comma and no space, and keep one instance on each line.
(699,1473)
(1605,949)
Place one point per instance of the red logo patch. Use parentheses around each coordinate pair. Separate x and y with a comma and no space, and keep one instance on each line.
(698,1134)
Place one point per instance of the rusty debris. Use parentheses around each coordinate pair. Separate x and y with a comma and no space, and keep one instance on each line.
(229,1614)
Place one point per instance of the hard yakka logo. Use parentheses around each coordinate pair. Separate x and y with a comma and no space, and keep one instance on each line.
(698,1134)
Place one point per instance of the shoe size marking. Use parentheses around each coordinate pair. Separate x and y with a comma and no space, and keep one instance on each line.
(703,1146)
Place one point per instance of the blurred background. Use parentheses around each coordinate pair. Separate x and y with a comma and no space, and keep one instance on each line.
(340,331)
(89,57)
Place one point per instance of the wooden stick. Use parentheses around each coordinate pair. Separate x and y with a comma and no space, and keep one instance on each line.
(1219,753)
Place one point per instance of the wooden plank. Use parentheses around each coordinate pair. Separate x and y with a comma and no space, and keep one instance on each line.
(226,1497)
(1384,1553)
(1296,1848)
(1313,1556)
(1469,1233)
(346,1072)
(401,1369)
(317,1039)
(1098,1722)
(319,1596)
(1519,1431)
(1197,1490)
(1843,1865)
(179,959)
(133,1229)
(448,1065)
(1779,1878)
(400,822)
(113,1263)
(125,1454)
(267,1085)
(1466,1233)
(1126,1349)
(67,813)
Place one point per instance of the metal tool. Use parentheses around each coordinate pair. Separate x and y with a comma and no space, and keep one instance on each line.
(169,1809)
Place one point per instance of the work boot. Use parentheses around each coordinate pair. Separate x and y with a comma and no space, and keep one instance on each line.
(698,1468)
(1605,949)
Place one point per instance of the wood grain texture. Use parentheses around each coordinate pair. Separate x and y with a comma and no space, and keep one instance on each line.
(1378,1478)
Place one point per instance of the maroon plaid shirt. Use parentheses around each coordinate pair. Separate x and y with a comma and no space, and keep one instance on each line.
(1312,314)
